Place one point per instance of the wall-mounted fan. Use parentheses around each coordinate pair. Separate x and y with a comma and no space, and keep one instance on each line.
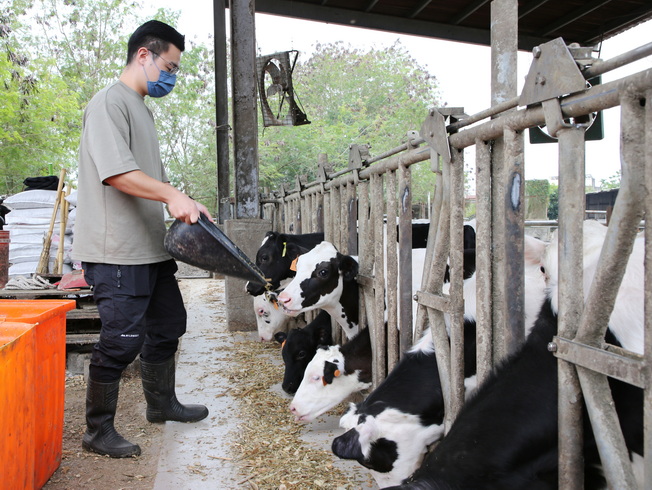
(277,104)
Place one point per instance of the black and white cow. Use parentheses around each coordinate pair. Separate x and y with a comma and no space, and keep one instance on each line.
(389,432)
(391,429)
(332,375)
(276,254)
(506,435)
(299,347)
(270,318)
(325,279)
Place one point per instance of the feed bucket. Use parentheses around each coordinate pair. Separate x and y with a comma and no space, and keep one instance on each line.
(204,245)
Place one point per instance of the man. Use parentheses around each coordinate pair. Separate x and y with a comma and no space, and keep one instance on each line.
(119,235)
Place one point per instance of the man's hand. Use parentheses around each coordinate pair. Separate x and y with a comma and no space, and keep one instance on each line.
(186,209)
(180,206)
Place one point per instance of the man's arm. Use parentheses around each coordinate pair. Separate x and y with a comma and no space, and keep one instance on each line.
(139,184)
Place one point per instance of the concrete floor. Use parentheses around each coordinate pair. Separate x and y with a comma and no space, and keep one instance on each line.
(193,456)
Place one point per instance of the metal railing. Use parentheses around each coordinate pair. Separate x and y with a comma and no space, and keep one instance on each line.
(352,207)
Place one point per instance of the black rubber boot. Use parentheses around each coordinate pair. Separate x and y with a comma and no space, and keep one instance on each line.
(162,403)
(101,437)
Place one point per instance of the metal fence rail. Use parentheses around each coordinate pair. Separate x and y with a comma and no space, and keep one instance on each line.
(357,208)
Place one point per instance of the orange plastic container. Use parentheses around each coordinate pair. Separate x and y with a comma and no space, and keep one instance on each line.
(17,416)
(49,376)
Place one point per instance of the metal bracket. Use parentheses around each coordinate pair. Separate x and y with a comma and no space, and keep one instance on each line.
(433,131)
(553,73)
(555,120)
(358,155)
(412,137)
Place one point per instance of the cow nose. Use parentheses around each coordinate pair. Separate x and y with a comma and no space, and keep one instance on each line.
(293,409)
(284,298)
(260,311)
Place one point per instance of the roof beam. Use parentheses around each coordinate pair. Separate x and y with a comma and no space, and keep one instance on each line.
(419,8)
(468,11)
(353,18)
(530,7)
(576,14)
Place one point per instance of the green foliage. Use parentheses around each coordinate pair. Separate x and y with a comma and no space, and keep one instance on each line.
(536,197)
(39,114)
(351,96)
(553,202)
(612,182)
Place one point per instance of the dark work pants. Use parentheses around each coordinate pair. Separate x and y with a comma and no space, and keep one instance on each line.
(142,311)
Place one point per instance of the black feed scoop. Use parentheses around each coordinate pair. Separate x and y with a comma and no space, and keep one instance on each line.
(205,246)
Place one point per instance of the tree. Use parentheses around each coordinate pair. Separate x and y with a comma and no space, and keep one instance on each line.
(39,115)
(553,202)
(612,182)
(351,96)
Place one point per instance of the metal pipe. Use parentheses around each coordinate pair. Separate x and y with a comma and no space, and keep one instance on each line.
(601,67)
(484,330)
(394,312)
(571,301)
(616,250)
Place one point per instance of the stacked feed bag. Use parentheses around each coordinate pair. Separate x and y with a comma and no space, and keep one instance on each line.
(28,224)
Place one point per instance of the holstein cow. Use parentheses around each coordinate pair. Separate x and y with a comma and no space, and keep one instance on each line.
(275,256)
(325,279)
(333,374)
(627,318)
(299,347)
(506,435)
(270,318)
(389,431)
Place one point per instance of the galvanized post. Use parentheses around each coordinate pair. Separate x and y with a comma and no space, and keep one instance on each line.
(378,333)
(393,322)
(513,238)
(456,254)
(221,112)
(647,406)
(484,330)
(405,255)
(245,126)
(571,301)
(504,44)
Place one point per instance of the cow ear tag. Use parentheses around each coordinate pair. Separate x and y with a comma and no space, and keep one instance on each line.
(293,265)
(323,380)
(337,373)
(285,249)
(283,344)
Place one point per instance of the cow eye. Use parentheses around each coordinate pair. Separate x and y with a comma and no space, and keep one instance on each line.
(264,258)
(316,378)
(323,273)
(301,355)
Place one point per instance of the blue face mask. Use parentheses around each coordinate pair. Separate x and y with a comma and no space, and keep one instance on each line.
(162,86)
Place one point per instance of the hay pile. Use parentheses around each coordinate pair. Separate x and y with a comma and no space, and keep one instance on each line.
(268,444)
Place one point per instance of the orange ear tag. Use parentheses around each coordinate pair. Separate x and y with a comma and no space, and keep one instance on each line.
(337,373)
(283,344)
(323,380)
(293,265)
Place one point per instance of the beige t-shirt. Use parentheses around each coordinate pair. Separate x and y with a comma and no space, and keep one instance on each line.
(111,227)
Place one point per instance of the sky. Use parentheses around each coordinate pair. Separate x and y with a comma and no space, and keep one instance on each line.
(462,70)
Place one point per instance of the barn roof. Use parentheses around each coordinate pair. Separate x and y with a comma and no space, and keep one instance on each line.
(581,21)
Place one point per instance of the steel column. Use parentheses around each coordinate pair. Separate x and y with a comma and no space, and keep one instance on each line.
(571,301)
(245,125)
(221,112)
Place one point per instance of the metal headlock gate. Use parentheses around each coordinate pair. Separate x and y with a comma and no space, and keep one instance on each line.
(352,207)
